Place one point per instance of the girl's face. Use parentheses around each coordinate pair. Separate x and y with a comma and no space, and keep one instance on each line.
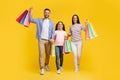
(60,26)
(75,19)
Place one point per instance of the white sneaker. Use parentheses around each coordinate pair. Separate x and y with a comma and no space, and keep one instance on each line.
(47,68)
(76,69)
(61,69)
(42,72)
(58,71)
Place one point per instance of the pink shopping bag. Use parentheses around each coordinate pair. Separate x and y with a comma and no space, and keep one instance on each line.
(27,22)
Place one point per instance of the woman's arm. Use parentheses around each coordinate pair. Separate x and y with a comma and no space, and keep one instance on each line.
(70,33)
(83,28)
(86,22)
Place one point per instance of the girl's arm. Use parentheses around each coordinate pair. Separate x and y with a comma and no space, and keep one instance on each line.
(65,36)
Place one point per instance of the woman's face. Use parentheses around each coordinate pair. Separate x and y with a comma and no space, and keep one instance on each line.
(75,19)
(60,26)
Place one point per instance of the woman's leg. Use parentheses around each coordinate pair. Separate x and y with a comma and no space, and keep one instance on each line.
(74,49)
(79,50)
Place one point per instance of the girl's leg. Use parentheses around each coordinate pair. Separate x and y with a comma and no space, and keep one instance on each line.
(57,56)
(61,56)
(79,50)
(74,48)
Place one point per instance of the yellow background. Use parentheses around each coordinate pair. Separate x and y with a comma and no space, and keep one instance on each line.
(19,47)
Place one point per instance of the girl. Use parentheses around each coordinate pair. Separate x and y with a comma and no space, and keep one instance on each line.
(75,33)
(60,36)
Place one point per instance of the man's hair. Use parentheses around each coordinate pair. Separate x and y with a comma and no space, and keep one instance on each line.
(46,9)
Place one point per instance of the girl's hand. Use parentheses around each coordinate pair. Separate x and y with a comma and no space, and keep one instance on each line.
(66,37)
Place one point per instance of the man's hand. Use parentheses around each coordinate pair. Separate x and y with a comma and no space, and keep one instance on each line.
(52,40)
(30,9)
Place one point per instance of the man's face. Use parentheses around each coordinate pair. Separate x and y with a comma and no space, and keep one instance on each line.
(46,13)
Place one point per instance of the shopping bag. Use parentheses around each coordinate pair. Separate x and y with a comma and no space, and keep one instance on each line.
(27,19)
(21,16)
(94,32)
(87,32)
(67,46)
(23,19)
(90,32)
(52,50)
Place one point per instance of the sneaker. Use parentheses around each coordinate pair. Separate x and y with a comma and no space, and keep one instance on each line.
(76,69)
(42,72)
(61,69)
(47,68)
(58,71)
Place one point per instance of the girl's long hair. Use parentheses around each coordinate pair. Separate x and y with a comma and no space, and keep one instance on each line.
(56,28)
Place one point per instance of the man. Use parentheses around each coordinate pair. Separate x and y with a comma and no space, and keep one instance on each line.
(45,33)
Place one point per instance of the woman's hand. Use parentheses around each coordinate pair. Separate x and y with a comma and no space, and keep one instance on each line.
(69,34)
(86,20)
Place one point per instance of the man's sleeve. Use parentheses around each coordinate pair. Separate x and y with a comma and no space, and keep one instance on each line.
(52,30)
(32,20)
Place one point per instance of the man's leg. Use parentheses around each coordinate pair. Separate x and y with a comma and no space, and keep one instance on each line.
(41,55)
(47,51)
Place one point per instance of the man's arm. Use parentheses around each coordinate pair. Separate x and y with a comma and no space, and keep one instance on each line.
(52,30)
(31,19)
(52,33)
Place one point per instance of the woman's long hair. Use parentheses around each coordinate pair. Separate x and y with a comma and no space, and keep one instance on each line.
(78,21)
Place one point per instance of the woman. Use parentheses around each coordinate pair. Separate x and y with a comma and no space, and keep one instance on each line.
(75,33)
